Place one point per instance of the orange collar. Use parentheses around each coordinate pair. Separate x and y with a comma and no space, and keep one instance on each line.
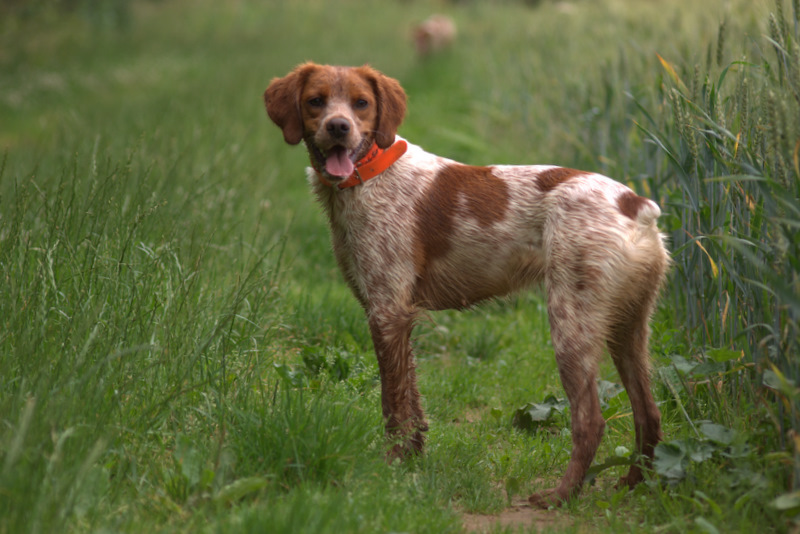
(375,162)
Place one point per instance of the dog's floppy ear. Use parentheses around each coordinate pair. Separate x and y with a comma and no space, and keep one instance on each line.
(282,99)
(391,105)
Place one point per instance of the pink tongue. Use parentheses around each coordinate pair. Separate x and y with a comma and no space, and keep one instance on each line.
(338,164)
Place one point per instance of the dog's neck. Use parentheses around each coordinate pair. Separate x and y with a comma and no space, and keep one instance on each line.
(371,165)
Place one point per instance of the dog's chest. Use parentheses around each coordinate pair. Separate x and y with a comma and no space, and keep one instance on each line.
(372,237)
(371,226)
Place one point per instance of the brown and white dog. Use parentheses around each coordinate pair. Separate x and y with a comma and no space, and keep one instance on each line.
(434,34)
(413,231)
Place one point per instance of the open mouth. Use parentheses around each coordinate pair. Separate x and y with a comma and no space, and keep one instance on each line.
(337,161)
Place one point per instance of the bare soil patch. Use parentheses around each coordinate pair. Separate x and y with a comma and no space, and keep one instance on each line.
(519,515)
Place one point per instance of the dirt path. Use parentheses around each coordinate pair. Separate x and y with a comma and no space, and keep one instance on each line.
(519,514)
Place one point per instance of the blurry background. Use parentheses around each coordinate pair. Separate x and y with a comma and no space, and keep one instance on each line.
(177,349)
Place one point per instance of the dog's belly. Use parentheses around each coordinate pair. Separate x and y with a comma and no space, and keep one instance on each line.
(471,274)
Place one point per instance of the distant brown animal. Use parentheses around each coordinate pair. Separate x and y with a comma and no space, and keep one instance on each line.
(434,34)
(413,231)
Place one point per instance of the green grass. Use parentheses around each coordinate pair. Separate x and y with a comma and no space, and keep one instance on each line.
(178,351)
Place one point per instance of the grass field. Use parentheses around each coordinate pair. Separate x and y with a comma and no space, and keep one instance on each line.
(178,352)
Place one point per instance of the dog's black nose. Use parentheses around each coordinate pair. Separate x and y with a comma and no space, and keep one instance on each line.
(338,127)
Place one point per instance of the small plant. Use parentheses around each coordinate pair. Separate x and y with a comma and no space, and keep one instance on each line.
(336,364)
(673,458)
(549,413)
(541,415)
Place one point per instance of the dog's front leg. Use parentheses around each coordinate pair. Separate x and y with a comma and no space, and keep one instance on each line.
(400,399)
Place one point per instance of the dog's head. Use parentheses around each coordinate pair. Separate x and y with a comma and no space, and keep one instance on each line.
(338,111)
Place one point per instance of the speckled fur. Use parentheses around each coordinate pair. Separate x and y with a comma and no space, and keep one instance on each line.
(430,233)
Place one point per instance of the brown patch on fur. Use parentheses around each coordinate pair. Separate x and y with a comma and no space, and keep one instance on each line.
(458,193)
(485,199)
(391,105)
(586,275)
(629,204)
(548,180)
(282,100)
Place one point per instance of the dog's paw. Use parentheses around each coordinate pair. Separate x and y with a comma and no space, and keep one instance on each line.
(546,499)
(630,480)
(408,447)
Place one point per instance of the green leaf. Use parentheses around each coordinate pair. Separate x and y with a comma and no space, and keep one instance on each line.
(788,502)
(699,451)
(718,433)
(709,368)
(533,416)
(705,525)
(682,364)
(540,412)
(239,489)
(724,355)
(771,379)
(669,460)
(608,390)
(716,508)
(292,376)
(774,379)
(613,398)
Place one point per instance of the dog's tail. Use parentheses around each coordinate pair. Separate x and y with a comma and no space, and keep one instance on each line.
(640,209)
(650,243)
(649,213)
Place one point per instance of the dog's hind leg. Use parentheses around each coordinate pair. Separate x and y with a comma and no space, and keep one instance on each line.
(627,343)
(628,348)
(400,398)
(578,343)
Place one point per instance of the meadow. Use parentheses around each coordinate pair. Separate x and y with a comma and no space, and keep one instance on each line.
(178,352)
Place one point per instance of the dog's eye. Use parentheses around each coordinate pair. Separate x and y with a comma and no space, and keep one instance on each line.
(316,102)
(361,104)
